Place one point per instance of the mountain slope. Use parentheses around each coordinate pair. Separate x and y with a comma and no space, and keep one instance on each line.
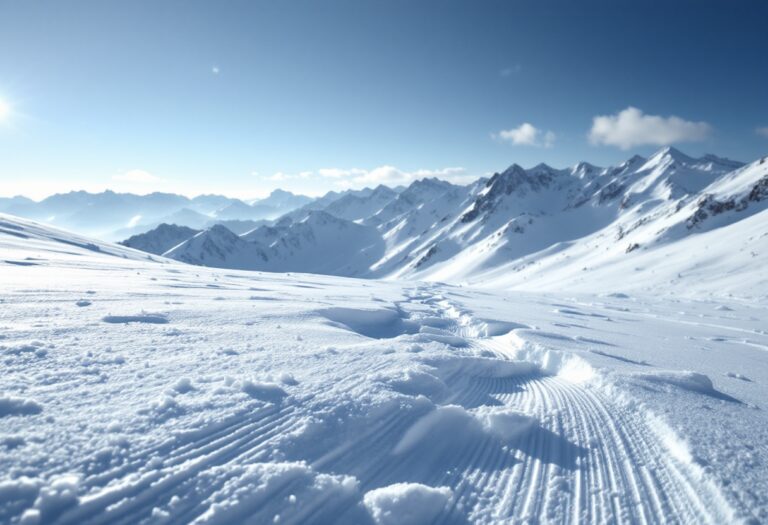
(161,239)
(220,248)
(714,241)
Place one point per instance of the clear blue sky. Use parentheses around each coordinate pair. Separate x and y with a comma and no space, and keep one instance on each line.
(240,97)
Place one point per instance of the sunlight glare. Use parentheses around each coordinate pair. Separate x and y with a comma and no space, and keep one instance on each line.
(5,109)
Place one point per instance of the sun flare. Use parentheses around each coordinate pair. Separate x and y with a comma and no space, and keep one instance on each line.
(5,110)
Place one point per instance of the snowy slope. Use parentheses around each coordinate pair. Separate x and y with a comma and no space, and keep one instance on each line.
(32,241)
(712,242)
(140,391)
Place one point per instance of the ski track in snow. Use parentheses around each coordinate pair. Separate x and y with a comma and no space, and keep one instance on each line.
(589,458)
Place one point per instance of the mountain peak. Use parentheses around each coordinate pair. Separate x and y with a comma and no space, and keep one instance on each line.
(542,167)
(514,169)
(671,153)
(221,231)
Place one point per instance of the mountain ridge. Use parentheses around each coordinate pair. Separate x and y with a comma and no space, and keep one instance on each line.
(498,231)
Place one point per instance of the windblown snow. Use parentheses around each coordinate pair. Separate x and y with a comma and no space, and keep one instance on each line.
(139,389)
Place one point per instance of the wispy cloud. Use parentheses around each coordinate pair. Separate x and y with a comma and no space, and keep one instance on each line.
(389,175)
(358,177)
(282,176)
(526,135)
(631,127)
(763,131)
(511,70)
(137,177)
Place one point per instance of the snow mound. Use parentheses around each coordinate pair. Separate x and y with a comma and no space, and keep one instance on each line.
(19,406)
(505,423)
(406,503)
(264,391)
(686,380)
(451,426)
(692,381)
(415,382)
(382,323)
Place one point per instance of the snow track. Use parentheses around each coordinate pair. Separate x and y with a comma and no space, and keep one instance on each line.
(417,400)
(589,458)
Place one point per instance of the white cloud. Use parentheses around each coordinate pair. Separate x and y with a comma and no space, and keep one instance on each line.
(137,177)
(339,173)
(526,135)
(630,127)
(762,131)
(215,70)
(389,175)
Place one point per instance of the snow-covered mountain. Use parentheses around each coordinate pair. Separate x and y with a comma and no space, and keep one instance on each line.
(279,202)
(161,239)
(319,243)
(538,228)
(115,216)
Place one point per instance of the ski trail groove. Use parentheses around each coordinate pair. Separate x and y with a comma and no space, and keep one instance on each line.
(590,458)
(608,465)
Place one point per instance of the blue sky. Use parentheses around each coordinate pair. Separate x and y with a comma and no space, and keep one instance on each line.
(241,97)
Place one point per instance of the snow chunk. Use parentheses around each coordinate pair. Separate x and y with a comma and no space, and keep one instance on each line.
(19,406)
(451,426)
(505,423)
(288,379)
(59,494)
(406,503)
(262,390)
(183,385)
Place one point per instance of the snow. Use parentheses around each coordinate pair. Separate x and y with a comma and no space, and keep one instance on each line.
(406,503)
(193,394)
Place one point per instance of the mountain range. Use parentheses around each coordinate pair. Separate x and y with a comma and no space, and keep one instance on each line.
(115,216)
(668,218)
